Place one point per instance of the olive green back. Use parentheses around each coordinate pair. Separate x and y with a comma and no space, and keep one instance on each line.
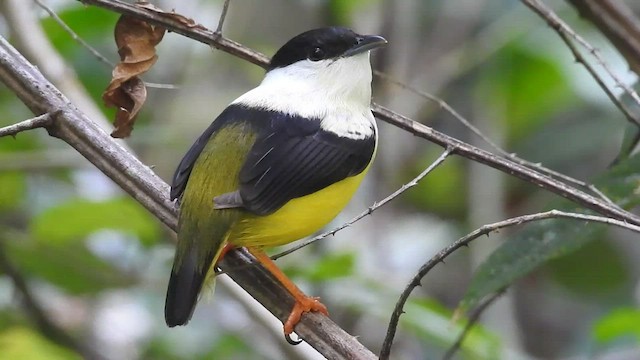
(215,172)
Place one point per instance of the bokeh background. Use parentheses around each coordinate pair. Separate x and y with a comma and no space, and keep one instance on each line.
(96,264)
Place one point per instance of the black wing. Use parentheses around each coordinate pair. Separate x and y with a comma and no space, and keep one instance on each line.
(294,157)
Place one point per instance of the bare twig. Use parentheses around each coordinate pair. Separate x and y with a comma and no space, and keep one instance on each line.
(502,164)
(616,21)
(90,48)
(566,34)
(37,314)
(458,147)
(73,34)
(473,319)
(464,241)
(29,124)
(372,208)
(223,16)
(444,105)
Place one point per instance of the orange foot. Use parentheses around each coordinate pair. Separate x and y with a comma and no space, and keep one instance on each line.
(303,305)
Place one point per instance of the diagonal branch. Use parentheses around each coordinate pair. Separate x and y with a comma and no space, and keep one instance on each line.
(458,147)
(567,34)
(618,23)
(137,179)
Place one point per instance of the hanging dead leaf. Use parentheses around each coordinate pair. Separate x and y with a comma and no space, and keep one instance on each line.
(136,41)
(129,98)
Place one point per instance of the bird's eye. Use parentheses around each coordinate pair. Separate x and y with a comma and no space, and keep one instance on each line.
(317,54)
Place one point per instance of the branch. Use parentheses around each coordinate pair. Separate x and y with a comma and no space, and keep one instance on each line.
(223,16)
(617,22)
(464,241)
(30,124)
(566,34)
(458,147)
(77,130)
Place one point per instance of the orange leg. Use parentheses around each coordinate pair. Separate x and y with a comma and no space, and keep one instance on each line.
(303,303)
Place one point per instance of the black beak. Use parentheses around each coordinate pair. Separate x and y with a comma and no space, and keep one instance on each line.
(365,43)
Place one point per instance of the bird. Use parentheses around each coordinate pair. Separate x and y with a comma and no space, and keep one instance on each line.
(278,164)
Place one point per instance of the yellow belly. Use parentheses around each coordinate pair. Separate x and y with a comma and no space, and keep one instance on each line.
(298,218)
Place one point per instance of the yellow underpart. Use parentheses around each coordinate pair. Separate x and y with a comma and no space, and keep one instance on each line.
(216,172)
(298,218)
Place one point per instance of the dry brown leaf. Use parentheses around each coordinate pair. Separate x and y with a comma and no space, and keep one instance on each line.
(173,15)
(129,98)
(136,41)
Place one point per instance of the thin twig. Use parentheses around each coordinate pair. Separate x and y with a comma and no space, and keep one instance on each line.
(223,16)
(616,21)
(459,148)
(566,34)
(473,319)
(466,150)
(444,105)
(29,124)
(90,48)
(161,86)
(448,108)
(464,241)
(372,208)
(73,34)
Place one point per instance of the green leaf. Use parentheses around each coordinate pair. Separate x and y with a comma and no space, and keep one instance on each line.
(629,141)
(528,85)
(550,239)
(331,266)
(19,343)
(89,22)
(95,26)
(78,218)
(528,249)
(443,191)
(578,273)
(231,346)
(12,189)
(72,267)
(341,11)
(632,130)
(619,323)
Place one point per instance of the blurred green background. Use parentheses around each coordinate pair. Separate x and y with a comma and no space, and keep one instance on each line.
(96,263)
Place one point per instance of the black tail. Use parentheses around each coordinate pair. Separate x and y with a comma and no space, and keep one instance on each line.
(184,286)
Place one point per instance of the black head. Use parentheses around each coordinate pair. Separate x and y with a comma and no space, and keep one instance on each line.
(324,43)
